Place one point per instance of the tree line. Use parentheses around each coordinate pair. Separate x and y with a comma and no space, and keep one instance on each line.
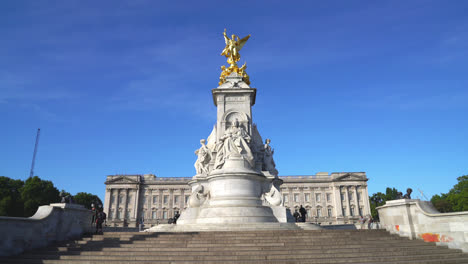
(456,200)
(22,198)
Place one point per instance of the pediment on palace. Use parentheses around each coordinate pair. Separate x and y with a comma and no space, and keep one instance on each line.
(122,180)
(351,177)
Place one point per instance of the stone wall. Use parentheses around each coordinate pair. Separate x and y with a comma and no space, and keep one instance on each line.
(51,223)
(419,219)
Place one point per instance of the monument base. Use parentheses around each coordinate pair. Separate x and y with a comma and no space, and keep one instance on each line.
(234,197)
(236,215)
(223,227)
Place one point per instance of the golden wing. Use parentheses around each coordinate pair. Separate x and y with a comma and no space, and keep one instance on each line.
(243,41)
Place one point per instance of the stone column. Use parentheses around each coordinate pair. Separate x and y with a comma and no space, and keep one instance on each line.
(125,204)
(182,199)
(301,196)
(107,201)
(160,204)
(337,206)
(348,211)
(136,205)
(356,199)
(365,200)
(171,203)
(117,204)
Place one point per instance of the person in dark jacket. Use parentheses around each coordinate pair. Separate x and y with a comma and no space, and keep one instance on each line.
(99,220)
(303,212)
(296,215)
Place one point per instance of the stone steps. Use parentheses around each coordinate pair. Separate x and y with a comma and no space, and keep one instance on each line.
(337,257)
(239,249)
(244,252)
(314,246)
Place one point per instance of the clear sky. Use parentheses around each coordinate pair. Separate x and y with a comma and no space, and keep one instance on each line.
(125,87)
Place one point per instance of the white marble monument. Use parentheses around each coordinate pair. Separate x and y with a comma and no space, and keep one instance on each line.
(236,180)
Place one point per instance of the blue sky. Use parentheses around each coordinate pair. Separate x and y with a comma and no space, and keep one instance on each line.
(125,87)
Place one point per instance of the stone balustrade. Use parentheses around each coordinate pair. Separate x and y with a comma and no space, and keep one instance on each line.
(51,223)
(419,219)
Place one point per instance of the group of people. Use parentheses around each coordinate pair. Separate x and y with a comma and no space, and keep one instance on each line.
(300,216)
(371,222)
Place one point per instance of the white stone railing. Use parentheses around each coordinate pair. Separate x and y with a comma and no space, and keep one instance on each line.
(51,223)
(419,219)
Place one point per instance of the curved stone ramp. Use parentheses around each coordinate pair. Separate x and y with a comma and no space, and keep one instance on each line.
(287,246)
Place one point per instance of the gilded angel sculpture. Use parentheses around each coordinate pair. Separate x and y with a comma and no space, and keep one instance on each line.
(231,51)
(233,46)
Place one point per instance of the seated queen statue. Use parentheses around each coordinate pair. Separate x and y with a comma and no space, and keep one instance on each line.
(234,143)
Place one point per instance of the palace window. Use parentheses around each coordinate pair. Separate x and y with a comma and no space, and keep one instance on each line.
(155,199)
(350,195)
(360,211)
(296,197)
(359,196)
(342,196)
(119,214)
(285,198)
(318,197)
(129,200)
(166,199)
(176,199)
(164,214)
(111,213)
(154,214)
(344,211)
(319,212)
(306,197)
(329,212)
(351,211)
(328,197)
(120,199)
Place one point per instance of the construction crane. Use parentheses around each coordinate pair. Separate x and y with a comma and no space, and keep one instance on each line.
(34,154)
(422,194)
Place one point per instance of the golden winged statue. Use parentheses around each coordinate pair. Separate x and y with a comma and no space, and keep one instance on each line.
(231,51)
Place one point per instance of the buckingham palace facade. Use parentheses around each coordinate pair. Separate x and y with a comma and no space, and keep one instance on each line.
(336,198)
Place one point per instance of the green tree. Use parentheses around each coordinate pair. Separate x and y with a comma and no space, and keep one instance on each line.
(10,197)
(391,194)
(379,199)
(441,203)
(37,192)
(86,199)
(376,200)
(456,200)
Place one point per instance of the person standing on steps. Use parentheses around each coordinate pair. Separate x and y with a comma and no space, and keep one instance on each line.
(296,216)
(303,212)
(99,221)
